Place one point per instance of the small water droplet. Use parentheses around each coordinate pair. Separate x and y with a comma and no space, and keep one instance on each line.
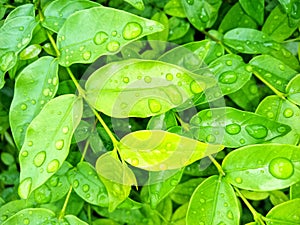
(288,113)
(169,76)
(23,106)
(257,131)
(53,166)
(85,188)
(249,68)
(147,79)
(33,102)
(190,2)
(281,168)
(239,180)
(174,182)
(281,67)
(114,33)
(126,80)
(24,153)
(113,46)
(202,200)
(196,87)
(100,38)
(86,55)
(59,144)
(75,183)
(55,81)
(210,138)
(4,217)
(132,30)
(26,221)
(30,143)
(229,63)
(281,129)
(228,77)
(46,92)
(39,159)
(21,28)
(54,181)
(135,162)
(230,215)
(65,130)
(233,128)
(270,115)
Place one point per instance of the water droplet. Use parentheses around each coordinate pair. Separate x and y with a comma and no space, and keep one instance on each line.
(228,77)
(30,143)
(270,115)
(25,187)
(147,79)
(196,87)
(135,162)
(85,188)
(75,183)
(238,180)
(257,131)
(24,153)
(132,30)
(113,46)
(202,200)
(54,181)
(281,168)
(7,60)
(288,113)
(210,138)
(249,68)
(23,106)
(59,144)
(39,159)
(190,2)
(114,33)
(46,92)
(25,41)
(233,128)
(86,55)
(55,81)
(230,215)
(281,67)
(268,75)
(126,80)
(21,28)
(229,63)
(169,76)
(281,129)
(65,130)
(53,166)
(154,105)
(26,221)
(174,182)
(100,38)
(33,102)
(253,89)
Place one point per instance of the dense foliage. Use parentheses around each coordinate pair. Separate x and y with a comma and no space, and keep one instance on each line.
(150,112)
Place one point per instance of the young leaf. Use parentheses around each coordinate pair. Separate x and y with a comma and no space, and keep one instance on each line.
(282,111)
(165,208)
(273,71)
(158,89)
(286,213)
(117,178)
(30,216)
(213,202)
(31,94)
(201,14)
(160,150)
(255,9)
(293,90)
(100,38)
(174,8)
(38,165)
(138,4)
(263,167)
(235,128)
(87,184)
(236,17)
(278,197)
(179,216)
(58,11)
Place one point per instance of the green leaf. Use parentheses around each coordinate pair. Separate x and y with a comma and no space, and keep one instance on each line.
(201,14)
(162,121)
(165,208)
(159,36)
(292,8)
(183,191)
(71,219)
(278,197)
(178,27)
(87,184)
(117,181)
(236,17)
(295,191)
(30,52)
(58,11)
(255,9)
(22,10)
(38,165)
(284,214)
(282,111)
(255,195)
(293,90)
(30,216)
(12,207)
(100,38)
(104,222)
(32,92)
(161,184)
(179,216)
(160,150)
(161,87)
(138,4)
(174,8)
(273,71)
(235,128)
(213,202)
(263,167)
(277,25)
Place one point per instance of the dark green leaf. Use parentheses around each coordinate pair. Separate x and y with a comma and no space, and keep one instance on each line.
(179,216)
(177,28)
(255,9)
(292,8)
(71,219)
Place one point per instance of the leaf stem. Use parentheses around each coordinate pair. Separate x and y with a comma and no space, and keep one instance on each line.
(62,212)
(216,40)
(52,41)
(184,125)
(219,167)
(79,88)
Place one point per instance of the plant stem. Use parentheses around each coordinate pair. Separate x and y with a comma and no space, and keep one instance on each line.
(219,167)
(216,40)
(62,212)
(79,88)
(52,41)
(184,125)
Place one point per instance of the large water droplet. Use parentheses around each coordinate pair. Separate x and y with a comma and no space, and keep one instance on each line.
(53,166)
(228,77)
(86,55)
(230,215)
(100,38)
(288,113)
(154,105)
(25,187)
(46,92)
(85,188)
(233,128)
(257,131)
(75,183)
(113,46)
(132,30)
(59,144)
(281,168)
(196,87)
(39,159)
(190,2)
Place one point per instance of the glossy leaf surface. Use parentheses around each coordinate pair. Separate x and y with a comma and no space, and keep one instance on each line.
(158,89)
(213,202)
(99,38)
(293,90)
(32,92)
(263,167)
(234,128)
(255,9)
(38,165)
(160,150)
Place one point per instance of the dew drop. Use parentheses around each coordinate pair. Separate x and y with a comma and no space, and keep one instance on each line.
(54,181)
(270,115)
(288,113)
(281,168)
(65,130)
(25,187)
(39,159)
(169,76)
(4,217)
(202,200)
(86,55)
(238,180)
(229,63)
(147,79)
(230,215)
(33,102)
(114,33)
(113,46)
(257,131)
(174,182)
(59,144)
(132,30)
(210,138)
(233,128)
(281,67)
(21,28)
(46,92)
(126,80)
(53,166)
(249,68)
(75,183)
(135,162)
(24,153)
(85,188)
(228,77)
(55,81)
(26,221)
(190,2)
(30,143)
(196,87)
(23,106)
(100,38)
(281,129)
